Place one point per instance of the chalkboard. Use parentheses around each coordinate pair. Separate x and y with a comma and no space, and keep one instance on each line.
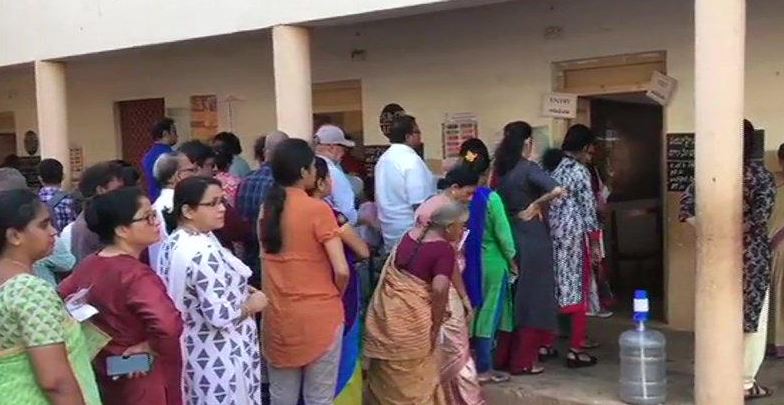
(370,156)
(680,161)
(371,153)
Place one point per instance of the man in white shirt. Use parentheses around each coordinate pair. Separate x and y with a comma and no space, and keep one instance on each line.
(169,169)
(402,179)
(332,145)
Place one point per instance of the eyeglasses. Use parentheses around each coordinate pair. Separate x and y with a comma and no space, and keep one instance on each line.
(151,219)
(214,203)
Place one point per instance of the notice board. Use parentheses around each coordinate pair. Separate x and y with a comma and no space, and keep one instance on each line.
(680,161)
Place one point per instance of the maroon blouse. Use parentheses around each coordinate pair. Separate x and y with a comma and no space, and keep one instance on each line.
(133,307)
(431,259)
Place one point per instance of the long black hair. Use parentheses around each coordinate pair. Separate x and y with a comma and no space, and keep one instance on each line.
(188,192)
(288,160)
(510,150)
(18,208)
(577,138)
(105,212)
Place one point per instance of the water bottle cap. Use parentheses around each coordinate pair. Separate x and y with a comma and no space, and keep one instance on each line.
(640,294)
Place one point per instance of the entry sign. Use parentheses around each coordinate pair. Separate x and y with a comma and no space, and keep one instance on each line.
(661,87)
(559,105)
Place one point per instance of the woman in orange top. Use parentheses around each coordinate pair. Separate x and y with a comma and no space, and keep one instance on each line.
(305,274)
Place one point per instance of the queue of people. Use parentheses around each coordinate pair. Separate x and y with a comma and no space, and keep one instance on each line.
(285,285)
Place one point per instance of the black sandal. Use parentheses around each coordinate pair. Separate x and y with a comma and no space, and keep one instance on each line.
(577,359)
(757,392)
(547,353)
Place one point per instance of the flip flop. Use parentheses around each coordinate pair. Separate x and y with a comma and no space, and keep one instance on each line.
(757,392)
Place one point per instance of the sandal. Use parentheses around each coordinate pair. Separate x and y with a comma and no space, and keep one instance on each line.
(757,392)
(577,359)
(547,353)
(493,378)
(529,371)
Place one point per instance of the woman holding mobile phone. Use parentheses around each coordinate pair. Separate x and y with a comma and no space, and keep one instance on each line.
(133,306)
(209,285)
(44,358)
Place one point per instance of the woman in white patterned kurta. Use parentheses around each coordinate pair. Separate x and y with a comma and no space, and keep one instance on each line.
(571,220)
(209,286)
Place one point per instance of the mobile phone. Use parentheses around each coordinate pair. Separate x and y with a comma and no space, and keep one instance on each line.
(122,365)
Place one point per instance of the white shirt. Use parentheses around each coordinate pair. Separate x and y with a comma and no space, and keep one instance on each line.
(403,181)
(165,202)
(342,197)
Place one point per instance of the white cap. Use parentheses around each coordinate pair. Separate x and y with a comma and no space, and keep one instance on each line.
(332,135)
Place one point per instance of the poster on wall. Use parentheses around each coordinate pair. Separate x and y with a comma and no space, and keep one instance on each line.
(204,117)
(559,105)
(680,161)
(76,159)
(456,129)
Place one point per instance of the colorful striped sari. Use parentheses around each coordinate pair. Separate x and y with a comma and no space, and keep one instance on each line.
(349,387)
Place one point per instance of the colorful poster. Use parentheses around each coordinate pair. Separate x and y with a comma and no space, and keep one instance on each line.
(204,117)
(455,130)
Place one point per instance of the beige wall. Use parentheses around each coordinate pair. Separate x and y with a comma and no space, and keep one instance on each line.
(493,61)
(45,29)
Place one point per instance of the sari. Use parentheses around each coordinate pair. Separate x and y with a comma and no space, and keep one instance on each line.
(403,365)
(83,341)
(348,390)
(457,368)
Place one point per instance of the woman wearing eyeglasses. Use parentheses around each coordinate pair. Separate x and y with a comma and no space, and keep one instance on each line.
(209,285)
(133,306)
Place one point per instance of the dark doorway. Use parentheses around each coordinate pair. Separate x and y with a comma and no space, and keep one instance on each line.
(629,159)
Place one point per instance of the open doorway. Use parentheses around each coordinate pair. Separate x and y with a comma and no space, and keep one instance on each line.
(612,101)
(628,158)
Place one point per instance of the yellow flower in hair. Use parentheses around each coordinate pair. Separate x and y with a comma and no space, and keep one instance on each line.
(471,156)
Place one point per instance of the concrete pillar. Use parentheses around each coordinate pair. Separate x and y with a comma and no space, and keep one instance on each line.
(51,107)
(293,91)
(720,30)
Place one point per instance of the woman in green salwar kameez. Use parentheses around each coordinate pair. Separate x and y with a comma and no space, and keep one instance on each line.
(491,249)
(44,353)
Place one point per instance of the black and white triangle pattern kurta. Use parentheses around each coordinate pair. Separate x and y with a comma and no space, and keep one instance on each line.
(223,365)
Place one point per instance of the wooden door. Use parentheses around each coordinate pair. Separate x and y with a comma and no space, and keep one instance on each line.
(7,145)
(137,117)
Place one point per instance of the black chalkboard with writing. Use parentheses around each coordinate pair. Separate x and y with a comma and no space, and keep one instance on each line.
(371,153)
(680,161)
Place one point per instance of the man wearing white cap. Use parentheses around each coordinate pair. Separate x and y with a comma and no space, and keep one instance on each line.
(332,145)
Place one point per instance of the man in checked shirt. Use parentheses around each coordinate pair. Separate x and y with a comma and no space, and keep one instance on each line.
(61,203)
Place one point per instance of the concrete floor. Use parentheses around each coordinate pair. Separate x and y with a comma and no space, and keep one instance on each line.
(598,385)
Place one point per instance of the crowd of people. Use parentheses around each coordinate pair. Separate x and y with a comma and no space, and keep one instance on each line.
(302,282)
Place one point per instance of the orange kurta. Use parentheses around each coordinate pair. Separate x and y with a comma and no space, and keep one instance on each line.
(305,306)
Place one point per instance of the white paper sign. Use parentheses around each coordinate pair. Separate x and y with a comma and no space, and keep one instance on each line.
(559,105)
(660,88)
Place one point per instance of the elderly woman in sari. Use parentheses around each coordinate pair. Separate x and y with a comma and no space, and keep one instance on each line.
(406,314)
(349,382)
(209,285)
(44,357)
